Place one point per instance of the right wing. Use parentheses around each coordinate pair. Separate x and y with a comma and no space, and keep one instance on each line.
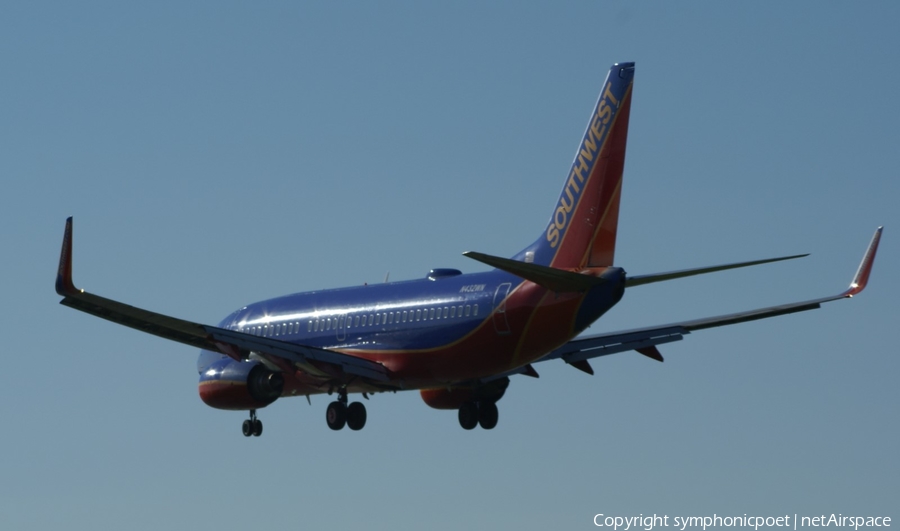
(644,340)
(323,363)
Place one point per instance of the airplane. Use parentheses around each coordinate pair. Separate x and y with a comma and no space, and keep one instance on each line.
(456,338)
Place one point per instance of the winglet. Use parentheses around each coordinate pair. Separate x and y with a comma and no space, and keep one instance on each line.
(64,285)
(865,267)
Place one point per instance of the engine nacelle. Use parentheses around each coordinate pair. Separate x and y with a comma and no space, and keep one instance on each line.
(230,384)
(454,397)
(451,398)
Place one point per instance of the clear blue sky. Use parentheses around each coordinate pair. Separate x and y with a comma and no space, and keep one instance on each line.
(214,154)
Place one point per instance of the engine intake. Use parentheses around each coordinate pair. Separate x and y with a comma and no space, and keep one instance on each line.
(239,385)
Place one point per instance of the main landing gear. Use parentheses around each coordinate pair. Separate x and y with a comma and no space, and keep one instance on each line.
(473,413)
(252,426)
(340,414)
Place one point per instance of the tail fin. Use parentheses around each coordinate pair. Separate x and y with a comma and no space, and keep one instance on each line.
(582,229)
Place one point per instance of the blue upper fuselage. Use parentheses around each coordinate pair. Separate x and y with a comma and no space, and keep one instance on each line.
(405,315)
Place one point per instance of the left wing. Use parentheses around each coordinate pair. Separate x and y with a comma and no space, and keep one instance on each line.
(318,362)
(644,340)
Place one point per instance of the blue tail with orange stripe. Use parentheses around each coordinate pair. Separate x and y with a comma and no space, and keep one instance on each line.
(582,228)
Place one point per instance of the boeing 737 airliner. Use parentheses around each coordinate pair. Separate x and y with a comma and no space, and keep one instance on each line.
(457,338)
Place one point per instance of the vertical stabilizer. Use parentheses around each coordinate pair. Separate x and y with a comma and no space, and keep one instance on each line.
(582,228)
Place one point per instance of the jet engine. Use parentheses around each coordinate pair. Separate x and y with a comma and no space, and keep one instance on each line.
(451,398)
(239,385)
(455,397)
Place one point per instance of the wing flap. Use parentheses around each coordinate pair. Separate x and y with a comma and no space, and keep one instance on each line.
(186,332)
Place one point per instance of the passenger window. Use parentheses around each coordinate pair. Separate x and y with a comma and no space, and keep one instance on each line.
(445,312)
(377,318)
(468,310)
(475,310)
(371,319)
(356,321)
(309,326)
(404,316)
(418,315)
(438,316)
(391,318)
(452,312)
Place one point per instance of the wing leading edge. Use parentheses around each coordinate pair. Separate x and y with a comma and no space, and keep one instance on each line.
(314,361)
(644,340)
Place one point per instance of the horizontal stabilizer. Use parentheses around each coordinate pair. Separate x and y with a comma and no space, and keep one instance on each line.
(659,277)
(557,280)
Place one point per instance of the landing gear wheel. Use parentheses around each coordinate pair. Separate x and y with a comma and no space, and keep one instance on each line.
(356,416)
(252,426)
(468,415)
(336,415)
(488,415)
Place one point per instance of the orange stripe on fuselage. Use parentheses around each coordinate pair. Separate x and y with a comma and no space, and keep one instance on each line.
(484,352)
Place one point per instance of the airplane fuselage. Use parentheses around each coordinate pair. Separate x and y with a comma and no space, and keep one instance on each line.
(428,332)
